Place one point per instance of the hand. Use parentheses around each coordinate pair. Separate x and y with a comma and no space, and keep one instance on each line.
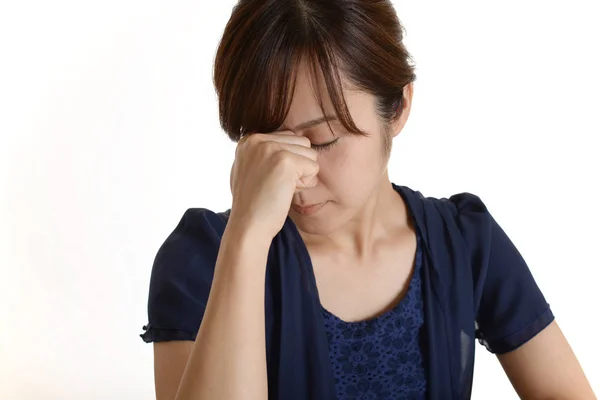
(267,171)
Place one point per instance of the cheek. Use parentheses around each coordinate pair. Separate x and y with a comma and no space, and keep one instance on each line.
(359,156)
(347,168)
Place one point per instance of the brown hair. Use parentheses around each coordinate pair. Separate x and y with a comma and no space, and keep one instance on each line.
(265,40)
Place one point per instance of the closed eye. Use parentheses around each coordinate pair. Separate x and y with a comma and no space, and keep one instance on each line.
(324,146)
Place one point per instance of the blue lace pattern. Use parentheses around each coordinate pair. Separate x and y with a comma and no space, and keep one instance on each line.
(381,358)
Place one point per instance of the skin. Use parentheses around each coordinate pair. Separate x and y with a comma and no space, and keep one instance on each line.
(360,242)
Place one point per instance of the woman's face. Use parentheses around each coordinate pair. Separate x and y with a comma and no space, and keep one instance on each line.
(351,169)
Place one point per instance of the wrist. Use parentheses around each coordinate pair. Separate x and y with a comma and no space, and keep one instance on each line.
(245,235)
(242,253)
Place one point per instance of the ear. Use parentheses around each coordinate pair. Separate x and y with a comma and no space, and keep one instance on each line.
(404,112)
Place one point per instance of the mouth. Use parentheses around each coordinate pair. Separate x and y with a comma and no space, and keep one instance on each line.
(308,210)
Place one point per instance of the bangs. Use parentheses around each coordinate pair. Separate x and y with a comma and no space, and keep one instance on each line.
(274,104)
(266,42)
(262,93)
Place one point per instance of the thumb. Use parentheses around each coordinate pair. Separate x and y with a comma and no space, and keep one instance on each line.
(306,183)
(309,176)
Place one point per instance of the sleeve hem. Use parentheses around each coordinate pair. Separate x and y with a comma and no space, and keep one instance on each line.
(153,334)
(517,339)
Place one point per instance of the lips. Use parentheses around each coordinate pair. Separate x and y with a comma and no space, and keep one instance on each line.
(309,209)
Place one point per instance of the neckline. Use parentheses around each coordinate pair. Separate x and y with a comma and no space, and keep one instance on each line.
(305,257)
(398,306)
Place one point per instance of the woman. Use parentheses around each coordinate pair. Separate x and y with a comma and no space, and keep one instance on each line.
(324,280)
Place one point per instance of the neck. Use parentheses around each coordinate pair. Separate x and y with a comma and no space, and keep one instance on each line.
(383,214)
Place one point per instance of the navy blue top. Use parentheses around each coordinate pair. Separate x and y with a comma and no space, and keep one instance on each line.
(381,358)
(476,285)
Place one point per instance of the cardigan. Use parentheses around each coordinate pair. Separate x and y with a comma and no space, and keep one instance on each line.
(476,286)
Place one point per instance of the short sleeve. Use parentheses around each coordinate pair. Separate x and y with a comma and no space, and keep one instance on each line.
(510,307)
(182,275)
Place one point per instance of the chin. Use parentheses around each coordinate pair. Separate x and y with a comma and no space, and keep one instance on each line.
(316,225)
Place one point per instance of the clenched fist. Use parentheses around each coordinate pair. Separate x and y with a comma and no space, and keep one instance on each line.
(267,171)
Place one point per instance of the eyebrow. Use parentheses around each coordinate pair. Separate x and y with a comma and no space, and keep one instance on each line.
(314,122)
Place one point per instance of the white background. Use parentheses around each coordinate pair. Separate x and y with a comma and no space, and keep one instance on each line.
(109,132)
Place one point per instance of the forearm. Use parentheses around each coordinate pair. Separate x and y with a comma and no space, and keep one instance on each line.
(228,359)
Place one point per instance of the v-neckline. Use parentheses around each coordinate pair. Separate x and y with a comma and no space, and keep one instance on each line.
(306,259)
(398,306)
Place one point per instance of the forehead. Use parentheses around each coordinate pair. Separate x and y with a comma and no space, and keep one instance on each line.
(310,89)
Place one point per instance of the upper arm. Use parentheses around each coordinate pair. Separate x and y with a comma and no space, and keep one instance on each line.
(170,359)
(179,287)
(510,308)
(545,367)
(513,319)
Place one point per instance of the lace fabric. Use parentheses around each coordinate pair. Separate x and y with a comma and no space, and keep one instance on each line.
(381,358)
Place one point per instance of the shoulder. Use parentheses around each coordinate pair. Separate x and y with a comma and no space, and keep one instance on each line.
(466,202)
(197,227)
(460,213)
(202,223)
(182,274)
(466,215)
(457,231)
(461,205)
(471,214)
(188,255)
(195,240)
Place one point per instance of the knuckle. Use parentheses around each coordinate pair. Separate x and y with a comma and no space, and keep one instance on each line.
(282,159)
(287,163)
(269,147)
(252,138)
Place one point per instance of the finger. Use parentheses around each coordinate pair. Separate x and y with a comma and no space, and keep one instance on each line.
(306,170)
(285,137)
(306,152)
(306,183)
